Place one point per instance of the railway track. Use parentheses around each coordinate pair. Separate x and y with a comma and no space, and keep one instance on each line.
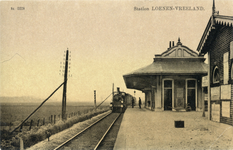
(93,137)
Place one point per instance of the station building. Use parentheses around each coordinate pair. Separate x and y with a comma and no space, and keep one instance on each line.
(173,81)
(217,43)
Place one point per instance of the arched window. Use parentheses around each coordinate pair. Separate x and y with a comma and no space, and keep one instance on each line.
(179,53)
(216,77)
(232,71)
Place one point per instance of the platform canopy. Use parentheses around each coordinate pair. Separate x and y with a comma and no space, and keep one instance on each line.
(177,60)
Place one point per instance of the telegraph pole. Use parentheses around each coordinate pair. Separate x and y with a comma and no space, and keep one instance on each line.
(112,91)
(65,87)
(95,99)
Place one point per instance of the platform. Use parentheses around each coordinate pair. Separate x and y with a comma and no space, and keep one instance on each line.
(143,129)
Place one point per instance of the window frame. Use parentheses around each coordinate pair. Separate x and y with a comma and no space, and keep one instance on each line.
(168,88)
(214,80)
(187,88)
(225,68)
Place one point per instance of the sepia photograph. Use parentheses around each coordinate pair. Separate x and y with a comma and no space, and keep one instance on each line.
(116,75)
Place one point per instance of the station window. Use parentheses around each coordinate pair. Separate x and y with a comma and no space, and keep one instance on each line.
(216,77)
(179,53)
(231,50)
(225,68)
(167,83)
(232,71)
(191,83)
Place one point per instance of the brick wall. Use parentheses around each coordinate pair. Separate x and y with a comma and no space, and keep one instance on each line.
(220,45)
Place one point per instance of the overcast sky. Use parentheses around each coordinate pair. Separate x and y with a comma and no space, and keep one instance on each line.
(107,39)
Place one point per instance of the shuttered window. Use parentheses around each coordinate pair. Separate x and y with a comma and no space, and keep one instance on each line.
(231,49)
(225,68)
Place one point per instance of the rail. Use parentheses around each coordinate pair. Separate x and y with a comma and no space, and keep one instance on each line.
(61,145)
(106,132)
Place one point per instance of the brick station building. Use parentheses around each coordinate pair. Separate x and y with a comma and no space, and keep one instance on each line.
(217,44)
(172,81)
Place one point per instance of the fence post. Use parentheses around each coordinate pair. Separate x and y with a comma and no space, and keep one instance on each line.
(10,126)
(21,145)
(54,120)
(38,122)
(21,127)
(31,125)
(51,119)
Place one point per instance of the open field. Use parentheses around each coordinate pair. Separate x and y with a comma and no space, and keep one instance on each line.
(14,113)
(36,134)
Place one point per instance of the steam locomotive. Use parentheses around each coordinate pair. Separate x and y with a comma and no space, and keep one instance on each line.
(120,101)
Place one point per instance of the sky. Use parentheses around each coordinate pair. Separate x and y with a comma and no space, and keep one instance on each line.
(106,39)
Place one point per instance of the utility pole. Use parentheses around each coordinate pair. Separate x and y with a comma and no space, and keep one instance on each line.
(95,99)
(65,87)
(112,91)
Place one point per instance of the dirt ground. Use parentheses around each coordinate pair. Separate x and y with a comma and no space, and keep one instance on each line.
(143,129)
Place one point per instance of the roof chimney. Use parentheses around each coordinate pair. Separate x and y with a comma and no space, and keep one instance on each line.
(118,90)
(173,44)
(170,44)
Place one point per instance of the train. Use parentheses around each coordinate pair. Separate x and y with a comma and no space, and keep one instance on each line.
(120,102)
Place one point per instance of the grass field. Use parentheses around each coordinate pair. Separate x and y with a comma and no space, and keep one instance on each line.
(30,135)
(15,113)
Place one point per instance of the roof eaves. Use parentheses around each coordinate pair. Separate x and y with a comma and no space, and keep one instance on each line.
(205,35)
(224,20)
(216,19)
(168,49)
(167,73)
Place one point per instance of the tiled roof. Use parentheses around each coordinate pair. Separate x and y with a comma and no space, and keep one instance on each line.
(169,66)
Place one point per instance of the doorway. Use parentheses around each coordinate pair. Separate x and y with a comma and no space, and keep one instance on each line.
(167,94)
(179,100)
(191,94)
